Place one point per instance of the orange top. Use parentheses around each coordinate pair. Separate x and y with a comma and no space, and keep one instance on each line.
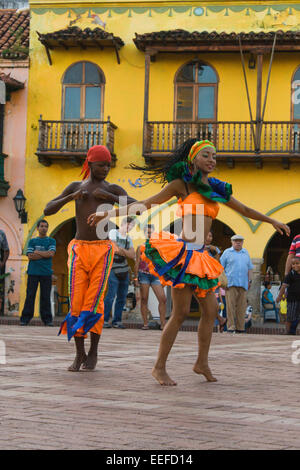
(195,203)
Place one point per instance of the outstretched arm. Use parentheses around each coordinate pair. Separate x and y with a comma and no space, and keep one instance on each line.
(253,214)
(70,193)
(171,190)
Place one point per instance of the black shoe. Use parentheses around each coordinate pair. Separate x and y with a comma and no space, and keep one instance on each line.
(22,323)
(240,331)
(49,324)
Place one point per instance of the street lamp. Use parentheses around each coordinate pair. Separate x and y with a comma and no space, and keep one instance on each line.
(19,201)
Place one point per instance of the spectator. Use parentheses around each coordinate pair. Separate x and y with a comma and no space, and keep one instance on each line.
(4,254)
(292,283)
(118,281)
(221,316)
(267,296)
(294,251)
(214,251)
(238,269)
(144,279)
(283,307)
(248,317)
(40,252)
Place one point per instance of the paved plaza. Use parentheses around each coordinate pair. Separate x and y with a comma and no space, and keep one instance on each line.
(254,404)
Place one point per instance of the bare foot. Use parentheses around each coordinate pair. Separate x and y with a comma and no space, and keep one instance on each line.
(162,377)
(90,362)
(204,370)
(79,359)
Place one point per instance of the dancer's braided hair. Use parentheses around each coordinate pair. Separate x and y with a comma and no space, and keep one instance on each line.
(159,171)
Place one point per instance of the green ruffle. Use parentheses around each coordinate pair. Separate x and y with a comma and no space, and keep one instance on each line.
(177,171)
(202,283)
(181,171)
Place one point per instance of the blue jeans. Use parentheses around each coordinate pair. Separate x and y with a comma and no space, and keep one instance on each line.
(116,288)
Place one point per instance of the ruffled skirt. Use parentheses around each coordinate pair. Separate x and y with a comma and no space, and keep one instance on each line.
(179,264)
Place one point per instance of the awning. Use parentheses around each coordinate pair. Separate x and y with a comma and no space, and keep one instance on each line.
(179,40)
(11,83)
(82,38)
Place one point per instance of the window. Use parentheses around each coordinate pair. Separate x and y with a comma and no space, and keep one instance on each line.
(196,87)
(83,92)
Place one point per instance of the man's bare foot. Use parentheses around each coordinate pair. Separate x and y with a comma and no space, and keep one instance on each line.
(90,362)
(204,370)
(162,377)
(79,359)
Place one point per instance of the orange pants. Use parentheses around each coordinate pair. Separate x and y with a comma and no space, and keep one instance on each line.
(89,267)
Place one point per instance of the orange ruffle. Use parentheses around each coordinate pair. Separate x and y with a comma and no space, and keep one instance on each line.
(201,264)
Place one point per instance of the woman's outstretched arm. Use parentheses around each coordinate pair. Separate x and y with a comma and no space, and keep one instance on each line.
(253,214)
(136,208)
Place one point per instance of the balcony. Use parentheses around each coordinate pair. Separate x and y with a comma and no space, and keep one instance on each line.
(70,140)
(241,141)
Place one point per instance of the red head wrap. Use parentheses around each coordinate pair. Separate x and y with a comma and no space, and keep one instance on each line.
(98,153)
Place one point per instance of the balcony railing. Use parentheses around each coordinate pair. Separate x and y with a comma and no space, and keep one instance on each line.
(232,138)
(70,140)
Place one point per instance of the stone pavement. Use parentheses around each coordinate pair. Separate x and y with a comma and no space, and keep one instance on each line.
(254,404)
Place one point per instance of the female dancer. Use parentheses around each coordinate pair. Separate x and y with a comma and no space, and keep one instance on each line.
(183,263)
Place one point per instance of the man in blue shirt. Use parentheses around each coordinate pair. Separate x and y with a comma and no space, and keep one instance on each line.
(40,252)
(238,269)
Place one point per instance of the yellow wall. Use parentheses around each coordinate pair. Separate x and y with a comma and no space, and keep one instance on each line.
(263,189)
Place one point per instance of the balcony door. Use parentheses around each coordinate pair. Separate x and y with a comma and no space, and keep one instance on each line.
(196,94)
(82,102)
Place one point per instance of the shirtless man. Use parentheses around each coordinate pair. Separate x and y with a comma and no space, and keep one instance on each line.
(90,259)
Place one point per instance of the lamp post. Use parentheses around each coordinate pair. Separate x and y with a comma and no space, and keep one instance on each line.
(19,201)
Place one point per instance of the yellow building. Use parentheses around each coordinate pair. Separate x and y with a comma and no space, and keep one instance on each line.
(143,76)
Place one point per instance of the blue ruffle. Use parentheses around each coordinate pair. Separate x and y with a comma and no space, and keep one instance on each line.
(86,320)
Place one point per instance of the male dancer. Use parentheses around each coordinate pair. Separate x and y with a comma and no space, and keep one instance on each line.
(90,259)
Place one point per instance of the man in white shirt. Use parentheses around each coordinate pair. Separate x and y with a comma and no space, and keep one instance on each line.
(118,281)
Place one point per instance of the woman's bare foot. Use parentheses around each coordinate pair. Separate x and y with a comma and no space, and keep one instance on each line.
(78,361)
(162,377)
(90,362)
(204,370)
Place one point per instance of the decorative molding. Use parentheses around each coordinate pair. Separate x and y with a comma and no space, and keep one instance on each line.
(254,227)
(201,10)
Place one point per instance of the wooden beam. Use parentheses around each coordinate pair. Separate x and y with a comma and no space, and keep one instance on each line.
(146,97)
(260,59)
(221,48)
(48,55)
(117,54)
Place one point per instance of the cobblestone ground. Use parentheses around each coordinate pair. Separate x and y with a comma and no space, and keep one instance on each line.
(254,404)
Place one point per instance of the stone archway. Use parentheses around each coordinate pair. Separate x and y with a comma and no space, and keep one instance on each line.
(277,248)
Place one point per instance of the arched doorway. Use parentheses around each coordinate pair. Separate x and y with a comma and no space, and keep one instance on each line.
(277,249)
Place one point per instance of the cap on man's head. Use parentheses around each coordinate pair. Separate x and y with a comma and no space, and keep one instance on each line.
(237,237)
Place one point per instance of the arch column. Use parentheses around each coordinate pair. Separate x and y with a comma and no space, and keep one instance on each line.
(254,292)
